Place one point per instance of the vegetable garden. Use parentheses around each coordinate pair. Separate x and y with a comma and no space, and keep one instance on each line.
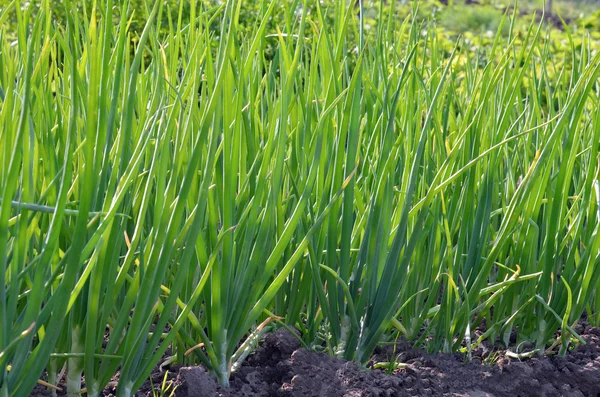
(182,189)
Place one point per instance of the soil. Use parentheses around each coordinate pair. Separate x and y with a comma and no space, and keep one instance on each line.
(281,368)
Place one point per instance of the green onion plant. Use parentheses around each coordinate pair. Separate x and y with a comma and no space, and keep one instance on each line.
(171,195)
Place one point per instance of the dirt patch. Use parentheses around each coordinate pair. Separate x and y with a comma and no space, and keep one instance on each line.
(281,368)
(276,371)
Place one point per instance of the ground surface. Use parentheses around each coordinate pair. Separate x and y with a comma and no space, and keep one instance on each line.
(281,368)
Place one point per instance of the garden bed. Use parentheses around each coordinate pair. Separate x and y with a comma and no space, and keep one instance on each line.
(280,367)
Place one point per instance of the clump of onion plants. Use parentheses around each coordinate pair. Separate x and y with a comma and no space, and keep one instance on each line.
(178,190)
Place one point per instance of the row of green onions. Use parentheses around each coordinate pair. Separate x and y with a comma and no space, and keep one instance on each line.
(175,191)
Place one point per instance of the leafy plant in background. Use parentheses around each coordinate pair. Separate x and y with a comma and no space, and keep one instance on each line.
(189,187)
(470,18)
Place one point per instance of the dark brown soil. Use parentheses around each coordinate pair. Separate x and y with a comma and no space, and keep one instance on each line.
(281,368)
